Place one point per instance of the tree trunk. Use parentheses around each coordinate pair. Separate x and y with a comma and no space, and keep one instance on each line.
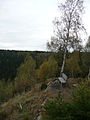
(63,64)
(72,74)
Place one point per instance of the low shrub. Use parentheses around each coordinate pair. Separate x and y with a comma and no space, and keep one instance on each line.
(77,109)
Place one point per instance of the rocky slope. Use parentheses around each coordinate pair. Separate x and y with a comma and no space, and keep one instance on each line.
(28,106)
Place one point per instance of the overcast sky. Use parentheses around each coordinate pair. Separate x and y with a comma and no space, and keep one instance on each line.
(27,24)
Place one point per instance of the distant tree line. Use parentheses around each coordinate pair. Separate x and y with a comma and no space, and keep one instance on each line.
(77,63)
(10,61)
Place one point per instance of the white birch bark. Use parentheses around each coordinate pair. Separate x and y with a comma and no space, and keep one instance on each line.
(63,64)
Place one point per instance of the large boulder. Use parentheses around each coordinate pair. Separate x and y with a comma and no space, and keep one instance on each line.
(55,84)
(61,80)
(39,117)
(58,83)
(64,76)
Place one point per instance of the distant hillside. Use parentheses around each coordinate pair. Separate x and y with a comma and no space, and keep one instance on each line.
(11,60)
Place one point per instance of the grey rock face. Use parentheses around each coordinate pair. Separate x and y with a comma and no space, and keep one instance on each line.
(55,84)
(61,80)
(64,76)
(39,117)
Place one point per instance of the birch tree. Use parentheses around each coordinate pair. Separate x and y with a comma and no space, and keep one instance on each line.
(88,45)
(68,27)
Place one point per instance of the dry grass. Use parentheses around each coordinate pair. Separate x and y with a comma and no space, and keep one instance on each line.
(31,102)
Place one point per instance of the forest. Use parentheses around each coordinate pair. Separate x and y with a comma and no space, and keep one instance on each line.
(10,61)
(52,84)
